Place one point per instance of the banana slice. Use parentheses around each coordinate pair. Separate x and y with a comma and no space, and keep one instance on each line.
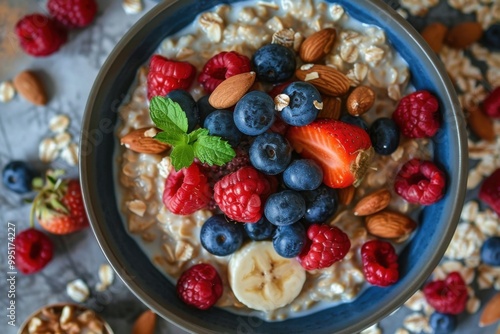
(263,280)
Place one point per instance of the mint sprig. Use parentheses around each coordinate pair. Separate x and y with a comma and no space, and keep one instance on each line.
(169,117)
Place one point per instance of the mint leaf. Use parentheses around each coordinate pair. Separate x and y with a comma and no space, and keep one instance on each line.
(213,150)
(173,139)
(193,136)
(182,156)
(168,115)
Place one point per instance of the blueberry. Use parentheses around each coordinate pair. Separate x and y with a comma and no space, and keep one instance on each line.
(270,153)
(274,63)
(490,251)
(188,104)
(260,230)
(443,323)
(302,108)
(284,208)
(289,240)
(254,113)
(221,237)
(17,177)
(491,37)
(204,108)
(384,134)
(354,120)
(321,204)
(221,123)
(303,174)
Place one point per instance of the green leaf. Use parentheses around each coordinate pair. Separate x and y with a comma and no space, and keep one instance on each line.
(193,136)
(172,139)
(213,150)
(182,156)
(168,115)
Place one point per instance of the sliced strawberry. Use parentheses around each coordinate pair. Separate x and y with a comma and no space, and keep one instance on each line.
(166,75)
(344,151)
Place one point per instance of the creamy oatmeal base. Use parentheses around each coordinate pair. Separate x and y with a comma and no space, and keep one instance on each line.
(361,52)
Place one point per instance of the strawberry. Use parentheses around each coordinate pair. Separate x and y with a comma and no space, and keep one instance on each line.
(59,205)
(343,151)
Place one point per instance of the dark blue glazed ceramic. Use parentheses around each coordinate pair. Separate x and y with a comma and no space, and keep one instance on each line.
(437,222)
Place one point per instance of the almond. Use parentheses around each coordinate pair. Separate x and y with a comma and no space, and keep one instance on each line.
(481,124)
(389,224)
(29,86)
(491,312)
(231,90)
(360,100)
(332,107)
(373,202)
(145,323)
(141,141)
(318,45)
(326,79)
(464,34)
(434,35)
(346,195)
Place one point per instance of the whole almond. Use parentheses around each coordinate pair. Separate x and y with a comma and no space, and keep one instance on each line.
(481,124)
(29,86)
(491,312)
(373,202)
(389,224)
(360,100)
(231,90)
(318,45)
(145,323)
(326,79)
(464,34)
(434,35)
(346,195)
(141,142)
(332,107)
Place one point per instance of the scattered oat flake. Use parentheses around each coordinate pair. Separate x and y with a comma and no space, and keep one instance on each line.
(77,290)
(417,322)
(70,154)
(62,140)
(132,6)
(48,150)
(7,91)
(59,123)
(374,329)
(401,331)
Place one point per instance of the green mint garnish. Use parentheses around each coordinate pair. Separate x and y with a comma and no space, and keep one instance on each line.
(169,117)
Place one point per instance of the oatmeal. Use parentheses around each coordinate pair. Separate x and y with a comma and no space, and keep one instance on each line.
(362,56)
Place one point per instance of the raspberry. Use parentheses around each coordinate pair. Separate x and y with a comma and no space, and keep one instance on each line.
(241,195)
(489,192)
(420,181)
(33,251)
(448,296)
(40,35)
(380,263)
(491,105)
(186,191)
(417,115)
(279,88)
(73,13)
(166,75)
(222,66)
(328,244)
(200,286)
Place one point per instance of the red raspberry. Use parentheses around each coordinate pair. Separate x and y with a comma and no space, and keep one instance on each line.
(420,181)
(40,35)
(241,195)
(33,251)
(279,88)
(380,263)
(222,66)
(328,244)
(200,286)
(186,191)
(73,13)
(448,296)
(417,115)
(166,75)
(491,105)
(489,192)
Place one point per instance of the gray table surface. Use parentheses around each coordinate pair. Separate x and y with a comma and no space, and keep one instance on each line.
(69,75)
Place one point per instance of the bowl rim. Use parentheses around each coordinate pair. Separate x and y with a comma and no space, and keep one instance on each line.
(384,310)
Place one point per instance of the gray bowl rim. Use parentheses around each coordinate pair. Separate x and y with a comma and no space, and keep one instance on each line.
(397,22)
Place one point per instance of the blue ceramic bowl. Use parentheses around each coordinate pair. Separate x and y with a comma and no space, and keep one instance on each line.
(437,222)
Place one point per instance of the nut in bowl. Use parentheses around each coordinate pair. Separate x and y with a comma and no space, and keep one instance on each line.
(156,234)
